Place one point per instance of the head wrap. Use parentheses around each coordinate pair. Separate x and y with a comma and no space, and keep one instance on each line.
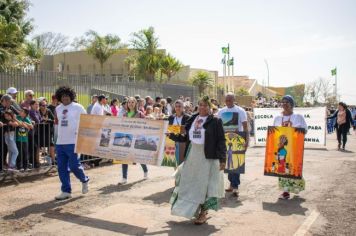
(290,99)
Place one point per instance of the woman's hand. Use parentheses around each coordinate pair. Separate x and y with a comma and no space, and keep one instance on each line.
(222,166)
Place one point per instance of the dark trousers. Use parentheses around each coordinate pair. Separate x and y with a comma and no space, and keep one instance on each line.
(22,159)
(341,133)
(125,169)
(3,152)
(234,179)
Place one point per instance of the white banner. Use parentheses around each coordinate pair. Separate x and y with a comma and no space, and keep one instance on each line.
(315,118)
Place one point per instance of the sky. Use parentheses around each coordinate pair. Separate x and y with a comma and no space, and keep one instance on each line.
(302,40)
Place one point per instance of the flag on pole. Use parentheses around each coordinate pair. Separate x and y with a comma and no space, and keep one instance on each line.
(225,50)
(223,61)
(230,62)
(333,71)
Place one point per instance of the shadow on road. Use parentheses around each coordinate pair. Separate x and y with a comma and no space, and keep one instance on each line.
(97,223)
(39,208)
(230,202)
(286,207)
(185,228)
(118,188)
(161,197)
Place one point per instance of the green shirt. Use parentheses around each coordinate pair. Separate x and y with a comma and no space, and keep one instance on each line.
(131,114)
(22,132)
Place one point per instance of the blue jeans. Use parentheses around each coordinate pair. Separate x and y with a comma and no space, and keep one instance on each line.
(234,179)
(12,148)
(69,161)
(125,168)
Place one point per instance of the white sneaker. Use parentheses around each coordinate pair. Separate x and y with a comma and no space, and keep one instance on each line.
(145,175)
(123,181)
(85,187)
(63,196)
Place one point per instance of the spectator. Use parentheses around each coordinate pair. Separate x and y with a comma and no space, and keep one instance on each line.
(29,96)
(141,105)
(164,106)
(149,111)
(124,108)
(13,93)
(98,108)
(114,107)
(10,124)
(169,106)
(46,130)
(149,101)
(94,99)
(107,108)
(158,100)
(53,105)
(22,139)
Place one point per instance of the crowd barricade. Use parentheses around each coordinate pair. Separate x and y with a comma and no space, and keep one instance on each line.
(36,153)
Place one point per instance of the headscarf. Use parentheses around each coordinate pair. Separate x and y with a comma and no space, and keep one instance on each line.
(290,100)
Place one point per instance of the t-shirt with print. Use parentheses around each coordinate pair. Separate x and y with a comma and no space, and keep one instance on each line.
(22,132)
(68,122)
(197,131)
(230,115)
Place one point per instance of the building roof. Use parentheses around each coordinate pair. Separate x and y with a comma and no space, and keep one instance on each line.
(239,81)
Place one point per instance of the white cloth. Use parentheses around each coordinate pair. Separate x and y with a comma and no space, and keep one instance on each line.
(200,179)
(296,121)
(68,122)
(235,109)
(169,109)
(97,109)
(197,134)
(177,120)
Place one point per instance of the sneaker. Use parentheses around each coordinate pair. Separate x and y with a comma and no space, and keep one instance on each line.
(12,169)
(63,196)
(123,181)
(145,175)
(85,187)
(284,196)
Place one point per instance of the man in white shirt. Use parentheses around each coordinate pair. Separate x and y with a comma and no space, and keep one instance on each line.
(68,115)
(98,108)
(234,178)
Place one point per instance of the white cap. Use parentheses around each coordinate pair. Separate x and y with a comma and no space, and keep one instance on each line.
(11,90)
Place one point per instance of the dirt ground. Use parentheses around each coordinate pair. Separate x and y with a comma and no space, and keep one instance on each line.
(326,207)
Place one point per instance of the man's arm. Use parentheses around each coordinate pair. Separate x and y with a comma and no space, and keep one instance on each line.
(245,127)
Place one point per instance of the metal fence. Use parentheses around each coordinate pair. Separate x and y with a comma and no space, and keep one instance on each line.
(44,84)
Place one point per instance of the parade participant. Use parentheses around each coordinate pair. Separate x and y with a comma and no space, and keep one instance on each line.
(289,119)
(132,112)
(242,124)
(179,118)
(68,115)
(201,180)
(343,124)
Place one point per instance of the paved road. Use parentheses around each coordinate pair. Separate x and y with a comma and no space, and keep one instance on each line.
(326,207)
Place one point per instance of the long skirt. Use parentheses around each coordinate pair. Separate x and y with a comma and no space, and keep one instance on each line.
(199,184)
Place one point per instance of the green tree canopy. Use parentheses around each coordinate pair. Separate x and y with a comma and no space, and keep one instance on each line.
(170,66)
(203,81)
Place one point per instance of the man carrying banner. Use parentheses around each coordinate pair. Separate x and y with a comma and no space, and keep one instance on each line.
(242,125)
(68,115)
(289,119)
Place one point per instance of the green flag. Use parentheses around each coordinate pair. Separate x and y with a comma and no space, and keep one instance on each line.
(225,50)
(333,72)
(230,62)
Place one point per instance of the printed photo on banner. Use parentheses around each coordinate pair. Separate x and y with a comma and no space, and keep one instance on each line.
(123,140)
(105,137)
(230,121)
(235,146)
(149,143)
(284,152)
(169,156)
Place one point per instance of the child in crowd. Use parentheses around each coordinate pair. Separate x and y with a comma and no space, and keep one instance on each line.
(24,125)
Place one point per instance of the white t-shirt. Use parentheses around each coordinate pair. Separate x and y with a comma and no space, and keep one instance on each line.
(68,122)
(294,120)
(242,117)
(169,109)
(197,132)
(177,120)
(97,109)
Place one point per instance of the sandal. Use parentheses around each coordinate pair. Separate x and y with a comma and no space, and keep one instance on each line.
(202,219)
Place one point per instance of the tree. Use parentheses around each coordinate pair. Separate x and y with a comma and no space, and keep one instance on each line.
(13,30)
(100,47)
(149,57)
(34,53)
(203,81)
(170,66)
(319,91)
(52,43)
(242,92)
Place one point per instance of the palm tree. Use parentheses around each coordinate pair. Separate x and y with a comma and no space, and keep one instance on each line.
(170,66)
(148,58)
(34,53)
(203,81)
(100,47)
